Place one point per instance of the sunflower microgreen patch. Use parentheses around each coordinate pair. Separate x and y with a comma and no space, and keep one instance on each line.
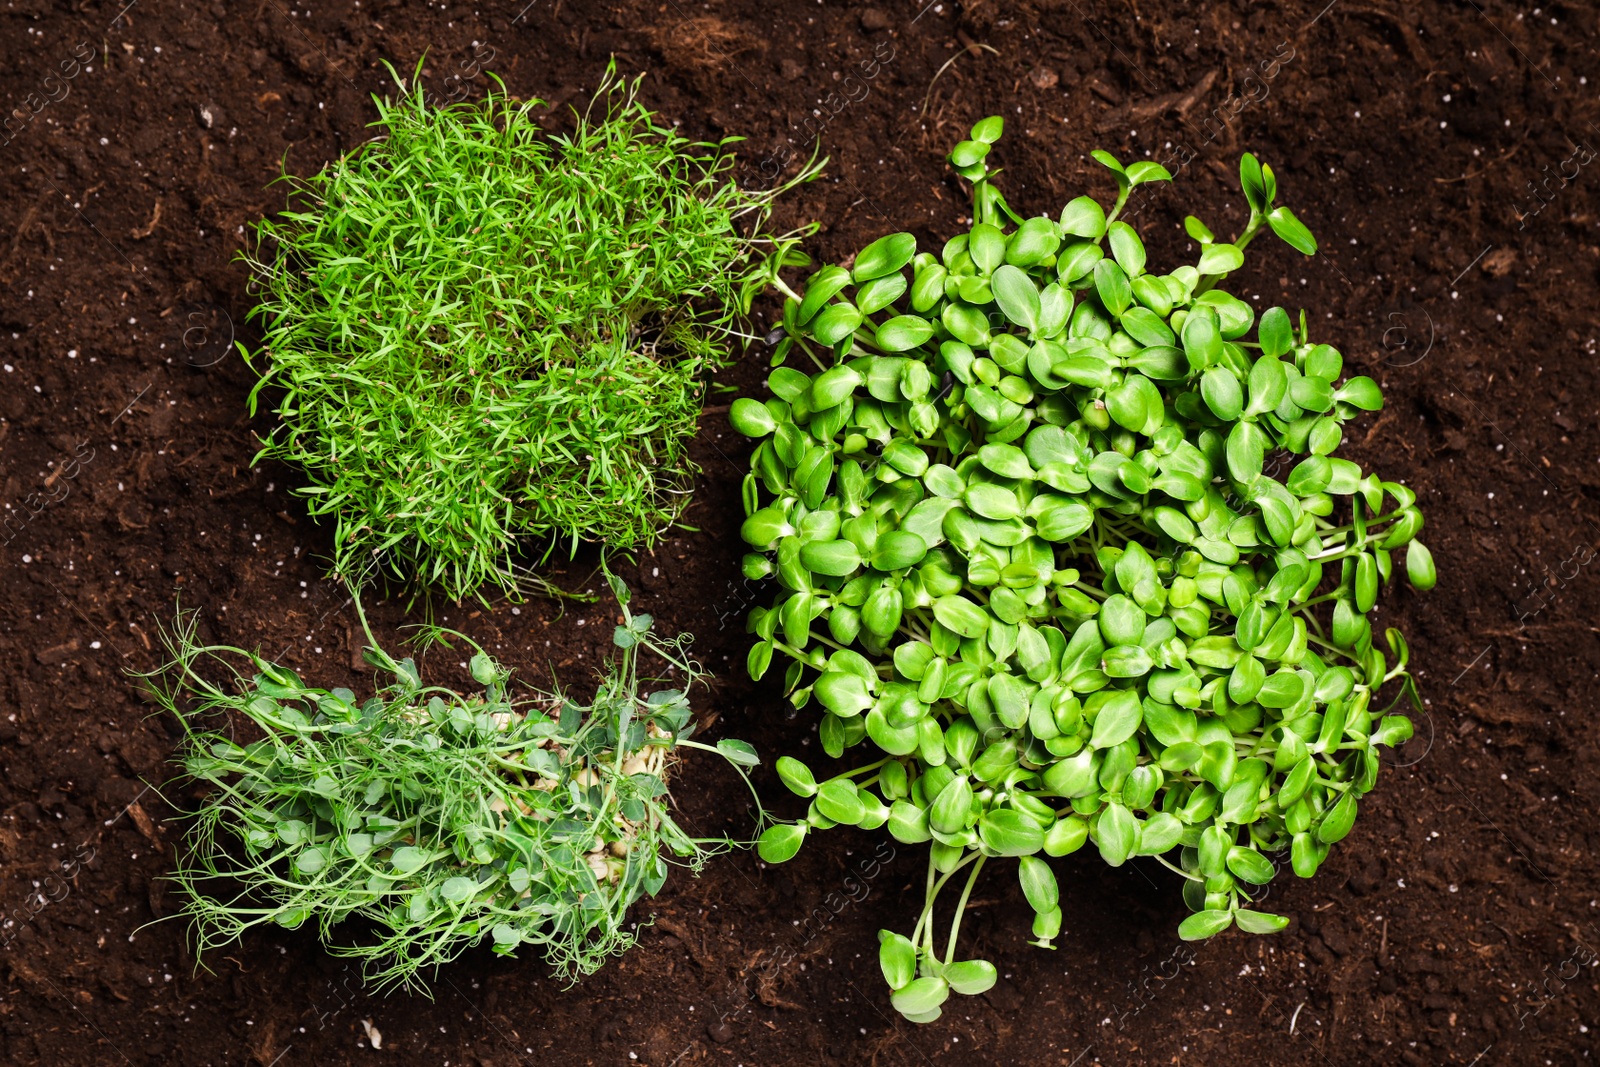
(1067,543)
(474,331)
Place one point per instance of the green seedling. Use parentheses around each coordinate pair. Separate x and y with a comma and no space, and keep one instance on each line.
(420,822)
(480,332)
(1066,542)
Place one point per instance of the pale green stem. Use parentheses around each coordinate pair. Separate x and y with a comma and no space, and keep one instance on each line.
(961,907)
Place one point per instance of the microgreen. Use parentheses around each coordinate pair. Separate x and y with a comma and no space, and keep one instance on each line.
(483,332)
(437,819)
(1032,492)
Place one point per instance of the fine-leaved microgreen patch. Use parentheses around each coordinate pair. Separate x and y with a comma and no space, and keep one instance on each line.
(483,332)
(420,822)
(1032,545)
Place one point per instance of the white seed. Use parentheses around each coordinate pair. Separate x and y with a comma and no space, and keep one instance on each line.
(597,864)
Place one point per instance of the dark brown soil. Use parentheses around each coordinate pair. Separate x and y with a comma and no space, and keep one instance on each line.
(1440,152)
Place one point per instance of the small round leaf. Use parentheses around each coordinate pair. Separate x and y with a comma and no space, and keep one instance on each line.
(781,842)
(751,417)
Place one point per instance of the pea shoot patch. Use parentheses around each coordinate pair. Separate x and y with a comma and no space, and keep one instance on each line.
(441,820)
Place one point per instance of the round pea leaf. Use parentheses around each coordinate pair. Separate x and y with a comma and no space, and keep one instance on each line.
(781,842)
(741,753)
(408,860)
(457,889)
(311,860)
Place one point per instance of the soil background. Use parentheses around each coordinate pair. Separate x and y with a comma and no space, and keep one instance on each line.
(1441,153)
